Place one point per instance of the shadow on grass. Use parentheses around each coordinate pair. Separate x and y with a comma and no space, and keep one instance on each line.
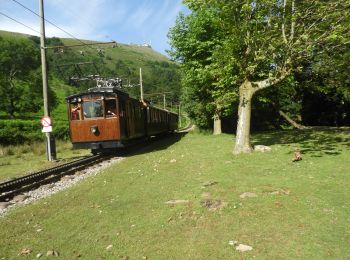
(316,141)
(155,144)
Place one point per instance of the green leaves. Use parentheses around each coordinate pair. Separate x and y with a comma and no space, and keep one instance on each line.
(20,84)
(222,43)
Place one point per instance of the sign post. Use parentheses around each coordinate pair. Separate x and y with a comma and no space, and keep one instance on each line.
(46,123)
(50,141)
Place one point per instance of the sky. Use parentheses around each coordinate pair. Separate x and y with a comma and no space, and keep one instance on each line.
(124,21)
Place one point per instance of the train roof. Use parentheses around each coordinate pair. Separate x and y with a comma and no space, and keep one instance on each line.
(114,92)
(100,90)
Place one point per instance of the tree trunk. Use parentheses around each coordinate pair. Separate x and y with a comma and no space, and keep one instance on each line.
(242,145)
(246,92)
(291,121)
(11,105)
(217,123)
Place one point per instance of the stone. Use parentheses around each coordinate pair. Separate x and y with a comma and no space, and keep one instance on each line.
(262,148)
(243,248)
(177,202)
(67,177)
(39,255)
(4,205)
(109,247)
(20,198)
(248,195)
(173,160)
(52,253)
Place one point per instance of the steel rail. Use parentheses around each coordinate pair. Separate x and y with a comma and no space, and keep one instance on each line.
(11,188)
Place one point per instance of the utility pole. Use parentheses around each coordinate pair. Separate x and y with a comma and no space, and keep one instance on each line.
(141,87)
(164,101)
(50,141)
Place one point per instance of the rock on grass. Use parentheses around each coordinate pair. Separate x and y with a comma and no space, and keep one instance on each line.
(243,248)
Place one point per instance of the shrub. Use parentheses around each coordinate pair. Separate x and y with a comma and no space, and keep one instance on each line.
(18,131)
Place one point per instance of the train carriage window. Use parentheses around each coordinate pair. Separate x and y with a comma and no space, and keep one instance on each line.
(110,108)
(148,115)
(93,109)
(75,111)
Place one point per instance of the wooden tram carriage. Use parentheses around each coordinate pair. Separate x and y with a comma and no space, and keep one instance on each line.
(106,117)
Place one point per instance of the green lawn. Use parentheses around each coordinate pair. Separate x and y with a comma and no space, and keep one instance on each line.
(301,210)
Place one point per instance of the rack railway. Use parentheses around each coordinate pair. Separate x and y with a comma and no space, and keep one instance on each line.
(11,188)
(104,119)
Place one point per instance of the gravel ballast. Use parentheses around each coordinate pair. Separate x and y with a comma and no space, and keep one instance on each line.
(49,189)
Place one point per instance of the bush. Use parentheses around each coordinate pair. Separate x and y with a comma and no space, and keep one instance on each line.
(22,131)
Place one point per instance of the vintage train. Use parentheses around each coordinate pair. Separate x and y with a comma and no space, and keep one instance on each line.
(106,118)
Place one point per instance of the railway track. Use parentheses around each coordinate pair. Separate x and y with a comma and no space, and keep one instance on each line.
(11,188)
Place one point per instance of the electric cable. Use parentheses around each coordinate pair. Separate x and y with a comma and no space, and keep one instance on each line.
(30,10)
(13,19)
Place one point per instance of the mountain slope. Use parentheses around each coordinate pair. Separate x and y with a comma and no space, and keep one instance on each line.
(107,60)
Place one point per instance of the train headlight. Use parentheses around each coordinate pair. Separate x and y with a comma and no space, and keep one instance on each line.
(94,130)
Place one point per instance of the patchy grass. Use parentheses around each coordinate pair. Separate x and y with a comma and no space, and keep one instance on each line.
(301,210)
(17,160)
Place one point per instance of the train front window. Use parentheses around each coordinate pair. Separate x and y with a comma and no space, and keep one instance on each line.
(75,111)
(93,109)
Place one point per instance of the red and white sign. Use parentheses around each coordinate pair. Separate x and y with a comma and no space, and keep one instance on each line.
(45,121)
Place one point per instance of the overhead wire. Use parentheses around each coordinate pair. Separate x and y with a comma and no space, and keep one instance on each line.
(13,19)
(30,10)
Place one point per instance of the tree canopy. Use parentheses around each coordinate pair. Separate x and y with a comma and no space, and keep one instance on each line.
(259,44)
(20,77)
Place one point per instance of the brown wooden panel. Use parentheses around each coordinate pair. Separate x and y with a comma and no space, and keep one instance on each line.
(81,130)
(135,119)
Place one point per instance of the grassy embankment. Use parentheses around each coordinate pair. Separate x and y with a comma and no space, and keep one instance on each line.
(17,160)
(301,210)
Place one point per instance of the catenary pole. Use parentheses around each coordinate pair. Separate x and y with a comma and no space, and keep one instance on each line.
(49,140)
(141,86)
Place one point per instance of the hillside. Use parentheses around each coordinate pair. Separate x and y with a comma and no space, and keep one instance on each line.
(107,60)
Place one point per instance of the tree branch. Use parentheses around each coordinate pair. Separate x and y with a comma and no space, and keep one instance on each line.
(283,22)
(271,81)
(293,22)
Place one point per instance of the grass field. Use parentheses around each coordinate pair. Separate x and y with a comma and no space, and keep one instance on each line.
(301,210)
(18,160)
